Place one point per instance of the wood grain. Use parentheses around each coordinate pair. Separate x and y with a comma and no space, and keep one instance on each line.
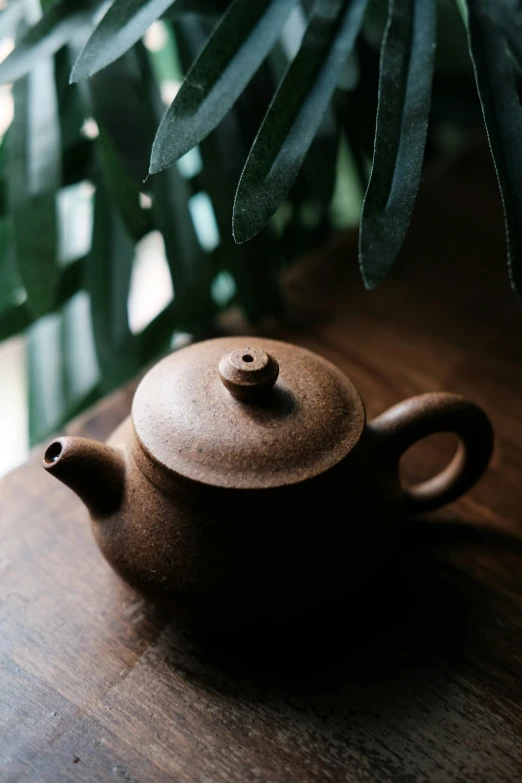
(420,681)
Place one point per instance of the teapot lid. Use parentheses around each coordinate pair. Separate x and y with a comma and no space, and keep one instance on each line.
(246,413)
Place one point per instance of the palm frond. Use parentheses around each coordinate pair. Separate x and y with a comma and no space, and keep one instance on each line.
(406,73)
(275,94)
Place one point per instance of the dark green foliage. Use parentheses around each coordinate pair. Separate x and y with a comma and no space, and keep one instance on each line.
(295,113)
(233,54)
(503,117)
(121,27)
(107,281)
(507,16)
(407,61)
(46,37)
(282,125)
(34,174)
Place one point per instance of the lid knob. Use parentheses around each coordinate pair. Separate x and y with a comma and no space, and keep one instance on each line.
(248,373)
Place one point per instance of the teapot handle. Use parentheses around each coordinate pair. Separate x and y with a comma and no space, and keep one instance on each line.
(409,421)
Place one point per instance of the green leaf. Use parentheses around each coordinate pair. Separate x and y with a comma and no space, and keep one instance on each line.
(197,7)
(60,385)
(34,175)
(315,182)
(17,317)
(156,338)
(502,112)
(109,269)
(236,49)
(119,106)
(119,103)
(78,162)
(405,81)
(253,266)
(507,15)
(10,282)
(358,109)
(45,376)
(48,35)
(295,113)
(13,321)
(189,265)
(320,165)
(71,281)
(123,188)
(10,19)
(71,107)
(3,166)
(123,24)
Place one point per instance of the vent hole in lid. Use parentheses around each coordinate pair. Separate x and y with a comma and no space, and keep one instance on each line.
(247,358)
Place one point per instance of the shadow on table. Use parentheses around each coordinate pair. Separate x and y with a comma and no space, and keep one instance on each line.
(421,610)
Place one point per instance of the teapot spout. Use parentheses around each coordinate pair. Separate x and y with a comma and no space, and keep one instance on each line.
(94,471)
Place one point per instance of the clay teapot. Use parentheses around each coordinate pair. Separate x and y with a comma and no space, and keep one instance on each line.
(246,486)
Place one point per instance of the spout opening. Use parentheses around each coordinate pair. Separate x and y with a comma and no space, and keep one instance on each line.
(94,471)
(53,453)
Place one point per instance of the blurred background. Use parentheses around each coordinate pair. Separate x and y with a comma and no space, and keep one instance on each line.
(103,269)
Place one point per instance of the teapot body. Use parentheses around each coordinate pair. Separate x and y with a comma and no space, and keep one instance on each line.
(252,557)
(247,488)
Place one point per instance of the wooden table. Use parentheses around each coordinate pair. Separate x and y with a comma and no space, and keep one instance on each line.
(422,681)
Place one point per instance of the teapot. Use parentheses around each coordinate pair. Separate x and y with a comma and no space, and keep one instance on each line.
(246,487)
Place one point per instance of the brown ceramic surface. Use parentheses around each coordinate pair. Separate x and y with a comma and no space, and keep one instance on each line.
(260,507)
(189,422)
(248,373)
